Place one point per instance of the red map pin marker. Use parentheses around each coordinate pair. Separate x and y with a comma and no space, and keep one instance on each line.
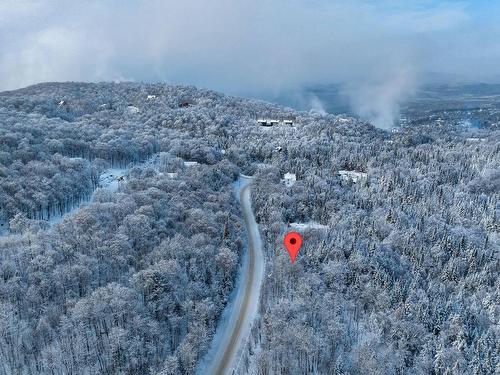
(293,242)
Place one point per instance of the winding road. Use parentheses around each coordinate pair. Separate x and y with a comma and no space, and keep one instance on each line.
(237,319)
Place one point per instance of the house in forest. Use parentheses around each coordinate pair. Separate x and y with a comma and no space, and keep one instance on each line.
(184,104)
(267,122)
(289,120)
(289,179)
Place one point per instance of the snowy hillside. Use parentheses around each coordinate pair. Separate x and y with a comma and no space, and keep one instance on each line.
(398,272)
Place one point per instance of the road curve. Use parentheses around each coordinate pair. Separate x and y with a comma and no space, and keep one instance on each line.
(235,327)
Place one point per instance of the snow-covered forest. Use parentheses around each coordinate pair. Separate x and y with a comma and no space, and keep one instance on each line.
(405,279)
(398,275)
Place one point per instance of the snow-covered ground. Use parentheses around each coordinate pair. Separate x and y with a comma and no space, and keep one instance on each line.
(306,226)
(242,309)
(109,180)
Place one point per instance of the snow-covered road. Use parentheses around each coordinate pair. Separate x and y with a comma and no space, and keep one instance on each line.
(237,318)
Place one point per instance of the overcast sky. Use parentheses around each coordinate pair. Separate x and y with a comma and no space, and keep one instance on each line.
(241,46)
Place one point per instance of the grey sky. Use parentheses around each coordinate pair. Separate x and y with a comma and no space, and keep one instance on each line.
(239,45)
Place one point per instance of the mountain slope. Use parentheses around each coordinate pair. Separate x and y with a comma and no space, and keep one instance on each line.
(400,276)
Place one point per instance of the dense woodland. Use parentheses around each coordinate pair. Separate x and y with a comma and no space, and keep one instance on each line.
(404,280)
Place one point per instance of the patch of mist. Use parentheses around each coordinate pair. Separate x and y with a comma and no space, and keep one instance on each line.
(316,105)
(379,101)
